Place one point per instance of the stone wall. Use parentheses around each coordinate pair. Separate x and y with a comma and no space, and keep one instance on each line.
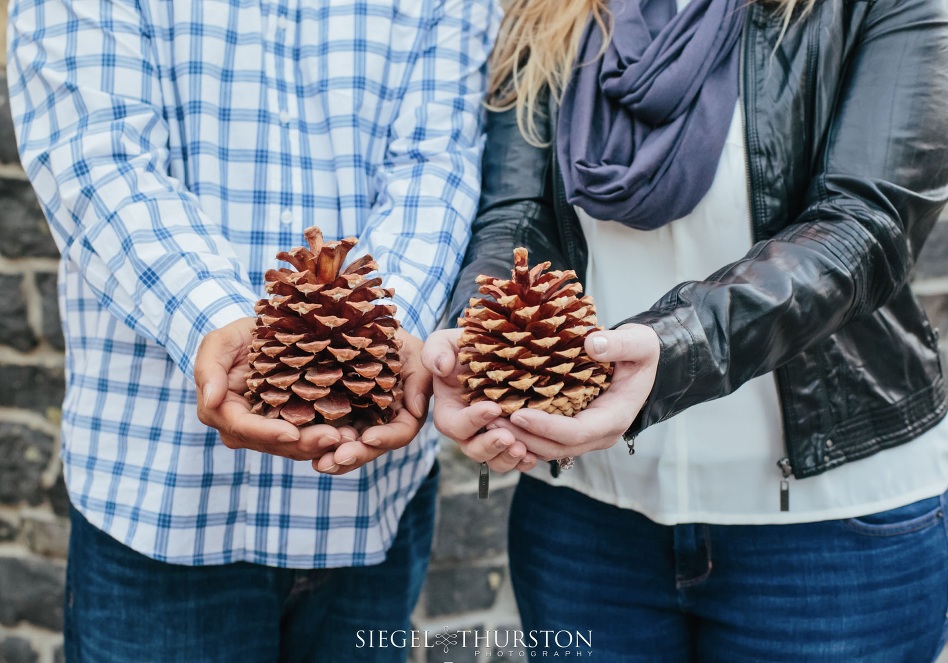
(467,587)
(33,503)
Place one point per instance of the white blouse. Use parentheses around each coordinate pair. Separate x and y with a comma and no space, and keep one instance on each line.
(717,462)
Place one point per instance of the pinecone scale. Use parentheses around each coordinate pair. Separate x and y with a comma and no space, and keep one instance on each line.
(523,342)
(324,350)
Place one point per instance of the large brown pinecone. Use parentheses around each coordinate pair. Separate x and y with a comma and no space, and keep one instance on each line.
(323,351)
(523,342)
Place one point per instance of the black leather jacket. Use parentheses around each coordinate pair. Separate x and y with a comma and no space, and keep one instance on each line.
(846,135)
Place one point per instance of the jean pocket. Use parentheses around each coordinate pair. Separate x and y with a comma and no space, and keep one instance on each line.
(901,520)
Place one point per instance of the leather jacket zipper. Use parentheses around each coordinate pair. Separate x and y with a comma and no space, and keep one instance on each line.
(742,96)
(787,471)
(786,468)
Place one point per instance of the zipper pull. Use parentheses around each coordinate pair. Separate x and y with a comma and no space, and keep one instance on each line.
(483,483)
(630,442)
(786,470)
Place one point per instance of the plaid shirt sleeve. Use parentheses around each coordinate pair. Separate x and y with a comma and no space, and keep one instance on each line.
(430,181)
(88,109)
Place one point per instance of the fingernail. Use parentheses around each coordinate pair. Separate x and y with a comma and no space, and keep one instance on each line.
(492,427)
(331,468)
(420,403)
(348,461)
(286,436)
(369,441)
(520,422)
(500,444)
(207,393)
(599,344)
(488,416)
(439,363)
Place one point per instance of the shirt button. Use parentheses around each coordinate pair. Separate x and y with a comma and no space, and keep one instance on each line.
(287,216)
(284,117)
(281,23)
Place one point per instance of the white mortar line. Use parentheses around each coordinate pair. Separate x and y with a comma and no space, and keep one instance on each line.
(13,171)
(928,287)
(43,356)
(31,419)
(28,265)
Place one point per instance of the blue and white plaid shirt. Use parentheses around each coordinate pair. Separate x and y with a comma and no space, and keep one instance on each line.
(176,146)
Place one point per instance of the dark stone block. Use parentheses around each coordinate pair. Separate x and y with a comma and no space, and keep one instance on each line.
(15,329)
(24,454)
(469,528)
(23,232)
(32,591)
(32,387)
(58,497)
(17,650)
(462,589)
(933,261)
(47,537)
(8,153)
(8,529)
(52,329)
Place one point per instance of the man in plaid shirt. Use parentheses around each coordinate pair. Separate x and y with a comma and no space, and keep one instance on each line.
(176,147)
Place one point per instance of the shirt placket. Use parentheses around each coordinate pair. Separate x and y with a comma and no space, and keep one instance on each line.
(283,215)
(283,177)
(286,61)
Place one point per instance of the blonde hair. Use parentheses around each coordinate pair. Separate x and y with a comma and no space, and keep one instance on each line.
(537,46)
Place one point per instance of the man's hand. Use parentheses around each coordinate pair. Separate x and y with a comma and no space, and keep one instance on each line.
(409,417)
(220,371)
(465,423)
(635,350)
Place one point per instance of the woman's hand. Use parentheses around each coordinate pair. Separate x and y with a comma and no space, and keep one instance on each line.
(463,423)
(634,349)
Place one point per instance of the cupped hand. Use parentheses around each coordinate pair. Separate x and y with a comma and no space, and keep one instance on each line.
(409,417)
(634,351)
(220,372)
(466,424)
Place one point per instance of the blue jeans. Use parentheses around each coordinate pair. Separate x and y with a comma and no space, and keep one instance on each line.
(872,589)
(122,606)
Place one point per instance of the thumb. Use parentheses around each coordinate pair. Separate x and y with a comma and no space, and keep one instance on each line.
(210,371)
(440,352)
(417,379)
(628,343)
(216,355)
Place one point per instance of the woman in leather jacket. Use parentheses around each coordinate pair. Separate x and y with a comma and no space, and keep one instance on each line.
(776,378)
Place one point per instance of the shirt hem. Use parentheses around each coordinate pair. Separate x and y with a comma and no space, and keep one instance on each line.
(766,518)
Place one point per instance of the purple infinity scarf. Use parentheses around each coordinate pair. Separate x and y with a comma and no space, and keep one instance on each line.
(641,129)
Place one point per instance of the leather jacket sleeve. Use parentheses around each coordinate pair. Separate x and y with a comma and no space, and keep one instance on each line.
(514,209)
(879,182)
